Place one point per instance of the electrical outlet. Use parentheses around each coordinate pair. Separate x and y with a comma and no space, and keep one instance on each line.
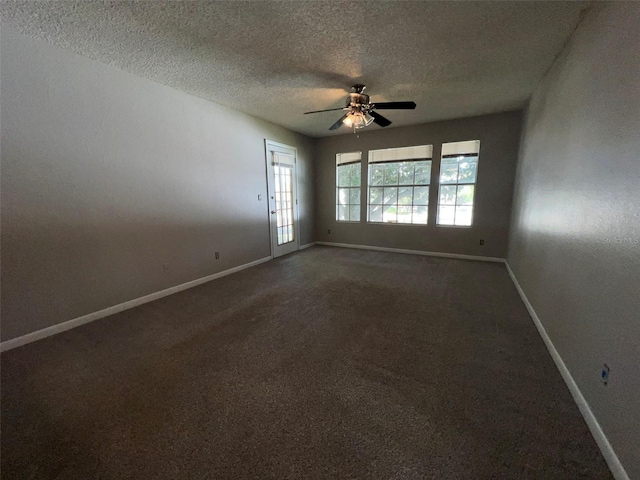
(329,232)
(482,241)
(604,376)
(165,268)
(217,255)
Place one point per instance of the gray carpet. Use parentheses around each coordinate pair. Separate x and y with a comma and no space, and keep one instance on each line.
(328,363)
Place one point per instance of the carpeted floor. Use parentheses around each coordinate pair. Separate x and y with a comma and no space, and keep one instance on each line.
(327,363)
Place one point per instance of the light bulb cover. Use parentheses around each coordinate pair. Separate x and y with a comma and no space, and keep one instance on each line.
(358,119)
(368,119)
(348,121)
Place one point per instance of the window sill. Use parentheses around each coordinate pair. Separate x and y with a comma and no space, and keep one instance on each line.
(453,226)
(401,224)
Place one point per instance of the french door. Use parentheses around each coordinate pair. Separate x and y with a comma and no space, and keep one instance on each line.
(283,198)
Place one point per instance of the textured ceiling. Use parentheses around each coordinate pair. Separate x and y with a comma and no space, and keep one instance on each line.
(276,60)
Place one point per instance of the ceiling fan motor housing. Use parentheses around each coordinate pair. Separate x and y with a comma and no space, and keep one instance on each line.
(357,100)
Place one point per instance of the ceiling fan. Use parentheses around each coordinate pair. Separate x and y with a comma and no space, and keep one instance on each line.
(360,111)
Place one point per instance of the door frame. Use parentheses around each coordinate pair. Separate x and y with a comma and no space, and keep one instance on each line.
(271,146)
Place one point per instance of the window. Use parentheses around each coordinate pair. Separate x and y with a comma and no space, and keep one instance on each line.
(458,172)
(348,186)
(399,181)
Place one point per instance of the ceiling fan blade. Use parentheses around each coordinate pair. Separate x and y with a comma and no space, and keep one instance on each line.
(379,119)
(338,124)
(329,110)
(395,105)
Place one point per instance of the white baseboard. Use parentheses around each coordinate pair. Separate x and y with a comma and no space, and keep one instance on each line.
(413,252)
(76,322)
(307,245)
(608,453)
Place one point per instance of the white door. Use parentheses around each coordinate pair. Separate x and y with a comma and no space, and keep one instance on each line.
(283,198)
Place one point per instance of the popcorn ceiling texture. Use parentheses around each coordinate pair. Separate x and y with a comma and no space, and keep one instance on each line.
(276,60)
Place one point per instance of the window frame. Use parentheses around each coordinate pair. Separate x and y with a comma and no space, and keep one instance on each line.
(457,184)
(401,158)
(350,187)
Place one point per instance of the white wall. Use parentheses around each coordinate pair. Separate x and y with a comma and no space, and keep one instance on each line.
(107,176)
(575,235)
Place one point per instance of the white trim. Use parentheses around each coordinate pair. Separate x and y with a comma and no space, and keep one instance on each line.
(414,252)
(608,453)
(76,322)
(307,245)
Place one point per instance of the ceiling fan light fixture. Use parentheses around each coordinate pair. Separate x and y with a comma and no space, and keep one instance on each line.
(360,110)
(358,120)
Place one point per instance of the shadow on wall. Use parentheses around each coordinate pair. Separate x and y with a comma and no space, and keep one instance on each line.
(57,272)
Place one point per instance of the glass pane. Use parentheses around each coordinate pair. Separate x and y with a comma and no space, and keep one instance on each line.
(421,196)
(391,174)
(468,171)
(448,195)
(343,212)
(354,213)
(390,195)
(405,172)
(405,195)
(355,174)
(375,213)
(280,242)
(377,174)
(343,196)
(449,170)
(465,195)
(375,195)
(463,215)
(343,176)
(279,218)
(423,173)
(354,196)
(291,233)
(446,215)
(404,214)
(389,213)
(420,215)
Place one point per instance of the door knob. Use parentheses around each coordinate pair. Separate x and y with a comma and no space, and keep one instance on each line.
(273,212)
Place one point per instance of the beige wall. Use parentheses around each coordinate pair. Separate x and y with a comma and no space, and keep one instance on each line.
(499,136)
(575,238)
(107,176)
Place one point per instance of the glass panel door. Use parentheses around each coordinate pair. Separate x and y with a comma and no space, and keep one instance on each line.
(283,175)
(283,204)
